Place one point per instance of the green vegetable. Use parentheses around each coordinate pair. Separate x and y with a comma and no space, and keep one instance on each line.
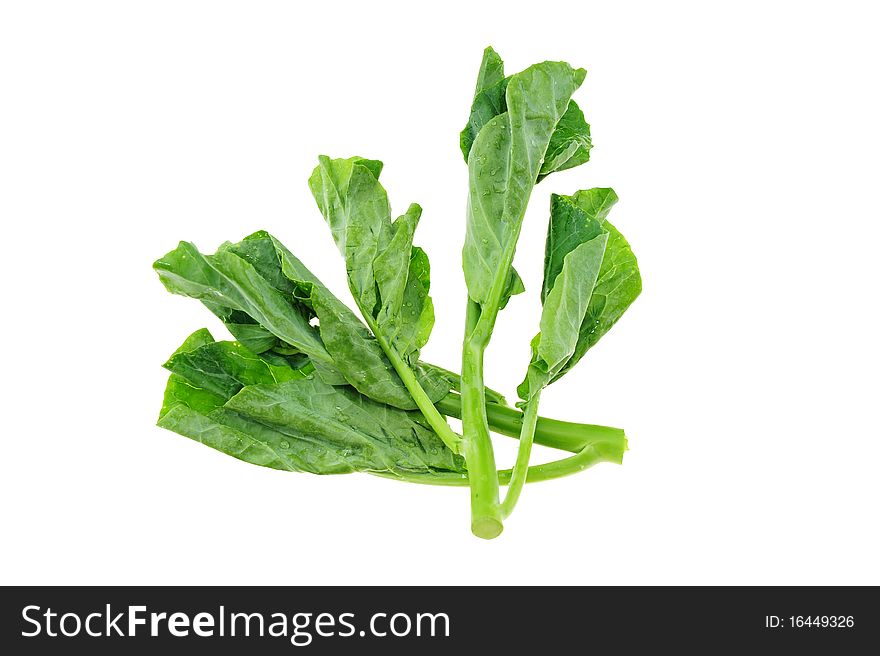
(388,277)
(310,386)
(278,416)
(274,292)
(570,143)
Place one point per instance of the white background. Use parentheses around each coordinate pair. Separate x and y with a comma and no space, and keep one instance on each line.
(743,143)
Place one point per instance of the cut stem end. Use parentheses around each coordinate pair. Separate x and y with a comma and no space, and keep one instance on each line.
(487,528)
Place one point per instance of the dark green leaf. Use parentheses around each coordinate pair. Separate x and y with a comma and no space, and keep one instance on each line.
(349,354)
(565,308)
(225,367)
(491,71)
(238,402)
(573,220)
(227,280)
(193,407)
(388,276)
(246,329)
(358,358)
(619,284)
(403,276)
(356,208)
(373,436)
(570,144)
(574,288)
(488,103)
(504,165)
(566,305)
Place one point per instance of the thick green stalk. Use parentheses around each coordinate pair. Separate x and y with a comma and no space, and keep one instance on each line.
(521,467)
(605,451)
(486,521)
(485,508)
(556,434)
(480,322)
(437,421)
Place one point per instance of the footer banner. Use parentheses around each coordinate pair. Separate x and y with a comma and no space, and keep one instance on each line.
(433,620)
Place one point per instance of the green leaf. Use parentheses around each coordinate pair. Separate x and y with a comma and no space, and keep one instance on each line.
(619,284)
(232,435)
(246,329)
(358,358)
(229,281)
(403,276)
(372,436)
(356,208)
(199,338)
(225,367)
(574,287)
(488,103)
(566,305)
(573,220)
(257,249)
(514,286)
(491,71)
(335,430)
(488,98)
(388,276)
(193,407)
(562,317)
(504,164)
(178,389)
(266,297)
(570,144)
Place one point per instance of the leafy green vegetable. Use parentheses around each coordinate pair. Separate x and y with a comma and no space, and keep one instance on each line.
(565,308)
(619,282)
(388,277)
(581,247)
(503,166)
(570,144)
(194,407)
(230,281)
(374,436)
(357,358)
(309,386)
(274,296)
(503,163)
(276,416)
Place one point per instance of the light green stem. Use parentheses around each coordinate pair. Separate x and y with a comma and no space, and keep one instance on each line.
(590,455)
(486,519)
(564,435)
(521,467)
(485,509)
(437,421)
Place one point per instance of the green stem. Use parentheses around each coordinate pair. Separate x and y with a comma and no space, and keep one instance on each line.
(605,451)
(437,421)
(485,508)
(564,435)
(480,322)
(521,467)
(454,381)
